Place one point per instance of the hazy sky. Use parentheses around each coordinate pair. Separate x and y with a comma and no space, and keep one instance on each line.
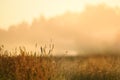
(16,11)
(94,28)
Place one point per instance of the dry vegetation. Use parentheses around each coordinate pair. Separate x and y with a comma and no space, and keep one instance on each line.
(25,65)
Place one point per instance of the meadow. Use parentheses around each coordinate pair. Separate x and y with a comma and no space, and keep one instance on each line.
(21,64)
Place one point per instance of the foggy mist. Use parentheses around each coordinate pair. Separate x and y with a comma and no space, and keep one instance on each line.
(97,27)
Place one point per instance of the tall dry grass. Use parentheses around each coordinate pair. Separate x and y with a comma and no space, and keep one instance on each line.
(21,64)
(24,65)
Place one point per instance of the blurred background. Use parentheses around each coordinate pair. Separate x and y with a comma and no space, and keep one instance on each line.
(75,26)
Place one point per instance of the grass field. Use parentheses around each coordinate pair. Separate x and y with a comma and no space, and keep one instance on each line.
(27,65)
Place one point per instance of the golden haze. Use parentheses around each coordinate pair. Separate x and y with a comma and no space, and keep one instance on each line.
(94,28)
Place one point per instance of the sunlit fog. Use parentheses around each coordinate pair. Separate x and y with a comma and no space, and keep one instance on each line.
(92,27)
